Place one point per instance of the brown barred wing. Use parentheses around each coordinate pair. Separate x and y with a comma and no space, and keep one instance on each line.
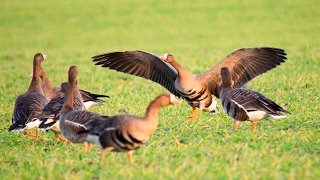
(253,101)
(118,139)
(142,64)
(244,64)
(27,107)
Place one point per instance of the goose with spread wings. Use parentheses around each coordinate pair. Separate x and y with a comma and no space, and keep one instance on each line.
(244,64)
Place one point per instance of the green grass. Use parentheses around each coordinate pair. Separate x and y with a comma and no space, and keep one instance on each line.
(199,34)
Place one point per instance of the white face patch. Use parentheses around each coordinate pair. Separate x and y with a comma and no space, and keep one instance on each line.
(165,55)
(44,56)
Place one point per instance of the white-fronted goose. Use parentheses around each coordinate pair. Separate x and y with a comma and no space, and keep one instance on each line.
(52,110)
(89,99)
(73,123)
(246,105)
(117,133)
(29,105)
(197,90)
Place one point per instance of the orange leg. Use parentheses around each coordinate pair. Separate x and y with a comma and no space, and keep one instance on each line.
(130,156)
(254,127)
(235,125)
(37,136)
(194,114)
(61,137)
(103,154)
(29,133)
(87,146)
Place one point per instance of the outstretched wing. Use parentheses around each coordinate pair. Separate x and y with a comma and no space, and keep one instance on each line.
(142,64)
(244,64)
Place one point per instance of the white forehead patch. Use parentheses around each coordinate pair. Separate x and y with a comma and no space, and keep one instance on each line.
(44,56)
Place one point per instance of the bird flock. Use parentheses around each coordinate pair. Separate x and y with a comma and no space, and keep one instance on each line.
(63,110)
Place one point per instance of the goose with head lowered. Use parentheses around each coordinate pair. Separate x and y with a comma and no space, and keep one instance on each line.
(245,104)
(28,106)
(197,90)
(123,132)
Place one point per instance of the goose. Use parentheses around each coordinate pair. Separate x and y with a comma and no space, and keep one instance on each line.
(89,99)
(52,110)
(28,106)
(245,104)
(122,132)
(71,121)
(197,90)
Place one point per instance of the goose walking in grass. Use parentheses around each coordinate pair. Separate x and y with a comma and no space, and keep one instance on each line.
(197,90)
(246,105)
(73,123)
(28,106)
(89,99)
(52,110)
(117,133)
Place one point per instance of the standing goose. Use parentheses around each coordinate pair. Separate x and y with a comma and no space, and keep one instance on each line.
(52,110)
(28,106)
(246,105)
(117,133)
(72,122)
(89,99)
(197,90)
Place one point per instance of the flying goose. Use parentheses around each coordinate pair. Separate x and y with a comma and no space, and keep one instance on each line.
(123,132)
(245,104)
(197,90)
(28,106)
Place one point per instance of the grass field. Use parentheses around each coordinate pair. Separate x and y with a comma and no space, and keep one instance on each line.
(199,34)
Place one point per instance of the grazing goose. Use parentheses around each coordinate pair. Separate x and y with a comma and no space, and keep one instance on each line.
(117,133)
(197,90)
(28,106)
(89,99)
(245,104)
(52,110)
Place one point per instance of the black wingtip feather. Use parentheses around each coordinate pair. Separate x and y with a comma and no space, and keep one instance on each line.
(16,127)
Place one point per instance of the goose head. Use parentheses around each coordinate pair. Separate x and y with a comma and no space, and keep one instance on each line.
(39,57)
(65,87)
(226,77)
(167,58)
(167,99)
(72,75)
